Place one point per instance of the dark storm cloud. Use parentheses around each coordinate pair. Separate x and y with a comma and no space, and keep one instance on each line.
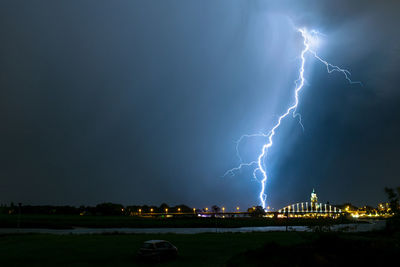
(140,101)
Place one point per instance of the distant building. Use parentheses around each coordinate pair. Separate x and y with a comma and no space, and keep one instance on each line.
(314,200)
(384,207)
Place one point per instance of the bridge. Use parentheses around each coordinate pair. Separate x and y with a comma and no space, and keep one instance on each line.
(312,208)
(306,208)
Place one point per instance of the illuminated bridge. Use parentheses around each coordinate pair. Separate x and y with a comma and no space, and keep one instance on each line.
(305,207)
(312,208)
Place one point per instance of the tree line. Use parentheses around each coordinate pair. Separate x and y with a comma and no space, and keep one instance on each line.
(113,209)
(108,208)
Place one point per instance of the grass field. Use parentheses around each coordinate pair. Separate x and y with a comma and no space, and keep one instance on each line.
(120,250)
(211,249)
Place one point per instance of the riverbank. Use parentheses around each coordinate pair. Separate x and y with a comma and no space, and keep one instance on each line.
(350,227)
(75,221)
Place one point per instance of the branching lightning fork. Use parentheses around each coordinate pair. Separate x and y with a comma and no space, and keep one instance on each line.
(259,164)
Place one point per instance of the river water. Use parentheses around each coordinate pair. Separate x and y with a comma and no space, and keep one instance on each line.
(356,227)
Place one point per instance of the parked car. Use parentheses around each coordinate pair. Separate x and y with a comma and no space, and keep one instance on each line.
(157,250)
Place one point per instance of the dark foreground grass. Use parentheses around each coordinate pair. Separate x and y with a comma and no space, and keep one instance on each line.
(120,250)
(327,249)
(211,249)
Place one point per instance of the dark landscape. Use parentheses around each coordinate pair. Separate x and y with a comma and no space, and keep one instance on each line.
(241,249)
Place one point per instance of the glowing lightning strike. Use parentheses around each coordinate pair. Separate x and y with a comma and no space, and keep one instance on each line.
(308,38)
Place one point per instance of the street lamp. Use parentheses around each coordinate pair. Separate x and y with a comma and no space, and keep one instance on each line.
(237,208)
(223,209)
(166,210)
(179,209)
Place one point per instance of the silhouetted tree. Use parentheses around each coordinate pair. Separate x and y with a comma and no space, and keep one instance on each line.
(257,211)
(398,197)
(393,199)
(145,208)
(109,209)
(215,209)
(163,206)
(183,208)
(393,223)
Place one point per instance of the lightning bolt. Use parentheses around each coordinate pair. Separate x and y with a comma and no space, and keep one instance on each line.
(259,163)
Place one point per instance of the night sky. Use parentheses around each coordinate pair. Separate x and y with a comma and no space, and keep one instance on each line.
(140,102)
